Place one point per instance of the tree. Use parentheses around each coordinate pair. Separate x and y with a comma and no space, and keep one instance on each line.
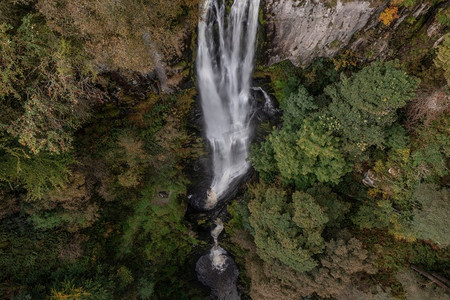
(45,87)
(366,103)
(129,35)
(388,15)
(129,160)
(429,221)
(334,206)
(342,263)
(309,154)
(68,207)
(156,229)
(82,289)
(429,106)
(442,59)
(287,230)
(374,214)
(284,147)
(28,258)
(296,108)
(37,174)
(319,151)
(396,179)
(9,203)
(309,216)
(262,158)
(12,11)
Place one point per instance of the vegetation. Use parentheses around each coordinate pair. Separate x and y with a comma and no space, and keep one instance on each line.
(349,190)
(341,182)
(389,15)
(91,173)
(130,35)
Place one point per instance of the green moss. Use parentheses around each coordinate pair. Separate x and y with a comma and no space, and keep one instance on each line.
(443,16)
(280,75)
(336,44)
(261,20)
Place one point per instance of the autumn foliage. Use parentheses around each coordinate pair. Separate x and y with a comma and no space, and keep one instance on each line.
(388,15)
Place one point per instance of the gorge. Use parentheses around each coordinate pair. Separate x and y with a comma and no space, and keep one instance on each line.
(225,58)
(224,149)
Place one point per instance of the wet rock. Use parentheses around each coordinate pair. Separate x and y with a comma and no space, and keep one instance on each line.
(219,272)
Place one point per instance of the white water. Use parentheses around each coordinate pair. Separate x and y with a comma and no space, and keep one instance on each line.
(268,105)
(218,254)
(226,47)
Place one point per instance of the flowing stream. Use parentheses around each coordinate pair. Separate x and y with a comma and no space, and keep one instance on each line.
(226,48)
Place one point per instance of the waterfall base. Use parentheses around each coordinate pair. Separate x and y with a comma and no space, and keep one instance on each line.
(218,271)
(211,199)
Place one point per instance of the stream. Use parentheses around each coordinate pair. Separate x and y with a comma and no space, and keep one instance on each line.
(225,61)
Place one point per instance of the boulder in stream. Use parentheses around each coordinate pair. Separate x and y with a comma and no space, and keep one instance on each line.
(218,271)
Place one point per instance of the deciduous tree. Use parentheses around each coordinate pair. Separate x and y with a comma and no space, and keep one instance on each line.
(132,35)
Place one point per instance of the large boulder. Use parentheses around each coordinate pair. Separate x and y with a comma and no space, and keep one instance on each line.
(218,271)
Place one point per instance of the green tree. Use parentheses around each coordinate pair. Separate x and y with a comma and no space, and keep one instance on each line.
(319,150)
(145,288)
(374,215)
(396,178)
(156,230)
(37,174)
(442,59)
(69,207)
(284,144)
(286,229)
(341,264)
(309,216)
(45,87)
(366,103)
(333,205)
(296,108)
(309,154)
(262,158)
(432,217)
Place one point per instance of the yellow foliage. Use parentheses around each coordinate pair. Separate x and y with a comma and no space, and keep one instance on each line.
(73,294)
(396,2)
(380,167)
(345,60)
(388,15)
(401,232)
(404,154)
(442,59)
(373,193)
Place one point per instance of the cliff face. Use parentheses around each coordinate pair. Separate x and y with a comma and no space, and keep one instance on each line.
(303,30)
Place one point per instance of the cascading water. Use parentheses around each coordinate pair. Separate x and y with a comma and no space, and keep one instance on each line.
(226,47)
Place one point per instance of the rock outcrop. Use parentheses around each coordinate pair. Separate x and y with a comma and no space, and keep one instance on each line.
(219,272)
(303,30)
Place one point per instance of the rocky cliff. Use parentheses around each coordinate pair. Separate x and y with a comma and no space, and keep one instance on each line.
(301,30)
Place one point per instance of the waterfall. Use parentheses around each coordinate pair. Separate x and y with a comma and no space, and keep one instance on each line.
(226,47)
(268,105)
